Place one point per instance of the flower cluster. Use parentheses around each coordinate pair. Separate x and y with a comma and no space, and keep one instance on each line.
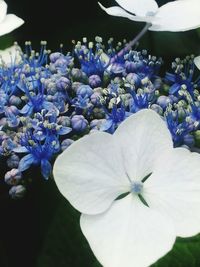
(48,100)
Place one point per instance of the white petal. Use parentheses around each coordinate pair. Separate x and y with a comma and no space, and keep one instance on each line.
(177,16)
(128,234)
(119,12)
(174,188)
(90,174)
(3,10)
(142,138)
(197,62)
(139,7)
(10,56)
(10,23)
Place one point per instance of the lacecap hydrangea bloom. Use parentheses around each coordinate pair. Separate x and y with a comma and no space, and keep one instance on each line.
(49,100)
(135,191)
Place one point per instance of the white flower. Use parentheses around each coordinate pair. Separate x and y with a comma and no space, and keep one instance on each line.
(8,22)
(11,56)
(138,158)
(180,15)
(197,62)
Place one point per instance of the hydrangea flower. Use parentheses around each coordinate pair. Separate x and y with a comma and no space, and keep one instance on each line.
(50,95)
(39,153)
(174,16)
(133,206)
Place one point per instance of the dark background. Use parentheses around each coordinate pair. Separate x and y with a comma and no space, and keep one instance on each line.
(26,235)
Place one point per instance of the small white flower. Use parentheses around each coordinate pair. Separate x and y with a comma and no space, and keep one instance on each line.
(197,62)
(180,15)
(163,186)
(8,22)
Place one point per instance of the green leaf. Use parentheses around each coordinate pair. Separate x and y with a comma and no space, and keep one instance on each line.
(184,254)
(6,41)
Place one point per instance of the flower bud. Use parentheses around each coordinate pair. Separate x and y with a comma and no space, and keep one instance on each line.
(17,191)
(84,91)
(96,124)
(77,74)
(94,81)
(13,161)
(157,109)
(98,113)
(79,123)
(75,86)
(55,56)
(61,62)
(164,101)
(63,83)
(157,83)
(133,78)
(15,100)
(13,177)
(66,143)
(95,98)
(64,121)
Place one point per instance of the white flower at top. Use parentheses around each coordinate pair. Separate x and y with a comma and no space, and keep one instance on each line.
(136,192)
(8,22)
(197,62)
(175,16)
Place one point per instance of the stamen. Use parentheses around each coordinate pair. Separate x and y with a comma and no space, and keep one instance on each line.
(136,187)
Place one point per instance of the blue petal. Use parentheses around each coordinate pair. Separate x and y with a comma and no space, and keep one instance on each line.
(46,168)
(170,77)
(20,149)
(105,126)
(50,107)
(64,130)
(174,88)
(26,162)
(27,109)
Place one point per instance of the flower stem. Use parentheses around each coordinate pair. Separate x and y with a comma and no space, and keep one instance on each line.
(131,43)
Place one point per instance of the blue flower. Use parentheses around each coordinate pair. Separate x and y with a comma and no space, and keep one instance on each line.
(114,118)
(60,63)
(46,124)
(142,64)
(140,100)
(92,60)
(35,92)
(180,130)
(35,60)
(183,78)
(39,153)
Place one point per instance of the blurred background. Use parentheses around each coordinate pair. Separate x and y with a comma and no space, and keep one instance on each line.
(41,230)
